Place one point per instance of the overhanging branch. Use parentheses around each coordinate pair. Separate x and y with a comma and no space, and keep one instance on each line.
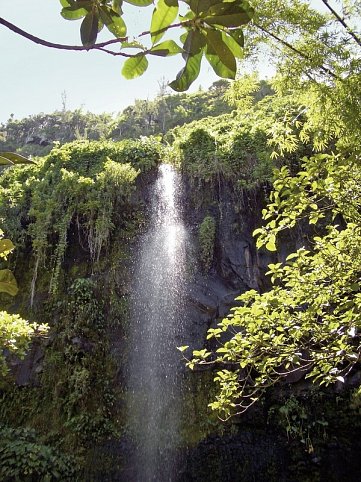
(81,48)
(343,23)
(296,51)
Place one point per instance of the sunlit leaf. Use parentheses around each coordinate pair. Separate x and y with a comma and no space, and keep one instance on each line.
(132,45)
(65,3)
(164,49)
(234,42)
(226,66)
(135,67)
(228,14)
(140,3)
(182,348)
(271,244)
(163,15)
(8,282)
(188,74)
(74,13)
(4,161)
(6,246)
(117,6)
(114,23)
(218,66)
(14,158)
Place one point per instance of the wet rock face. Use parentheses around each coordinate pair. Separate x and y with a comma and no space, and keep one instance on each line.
(26,371)
(237,266)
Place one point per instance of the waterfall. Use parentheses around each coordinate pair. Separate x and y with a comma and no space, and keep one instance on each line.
(156,324)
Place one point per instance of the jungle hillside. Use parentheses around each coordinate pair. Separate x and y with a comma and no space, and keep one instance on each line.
(180,282)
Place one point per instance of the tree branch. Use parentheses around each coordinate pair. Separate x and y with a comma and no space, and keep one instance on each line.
(343,23)
(99,46)
(45,43)
(296,51)
(184,23)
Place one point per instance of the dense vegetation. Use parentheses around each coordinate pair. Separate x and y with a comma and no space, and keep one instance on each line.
(308,322)
(81,191)
(72,215)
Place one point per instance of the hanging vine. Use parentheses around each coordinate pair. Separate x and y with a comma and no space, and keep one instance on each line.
(82,184)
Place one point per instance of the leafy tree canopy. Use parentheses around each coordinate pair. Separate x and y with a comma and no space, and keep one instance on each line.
(212,29)
(35,135)
(309,321)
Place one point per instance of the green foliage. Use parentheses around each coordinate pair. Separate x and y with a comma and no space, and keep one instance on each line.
(22,457)
(167,111)
(15,337)
(85,183)
(35,135)
(308,323)
(8,282)
(212,28)
(74,400)
(76,380)
(73,404)
(15,332)
(246,91)
(233,147)
(11,158)
(207,237)
(299,422)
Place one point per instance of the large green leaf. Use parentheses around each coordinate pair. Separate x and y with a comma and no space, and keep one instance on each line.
(74,13)
(167,48)
(217,47)
(217,65)
(163,15)
(89,29)
(199,6)
(188,74)
(135,66)
(6,246)
(229,14)
(5,162)
(8,282)
(118,27)
(115,24)
(193,44)
(234,41)
(14,158)
(117,6)
(76,4)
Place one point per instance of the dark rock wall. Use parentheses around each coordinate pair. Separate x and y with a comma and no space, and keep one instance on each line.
(237,266)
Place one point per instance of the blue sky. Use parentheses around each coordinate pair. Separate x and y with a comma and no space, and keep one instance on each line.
(33,77)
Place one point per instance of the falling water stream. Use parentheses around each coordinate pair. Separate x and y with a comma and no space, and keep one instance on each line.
(156,326)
